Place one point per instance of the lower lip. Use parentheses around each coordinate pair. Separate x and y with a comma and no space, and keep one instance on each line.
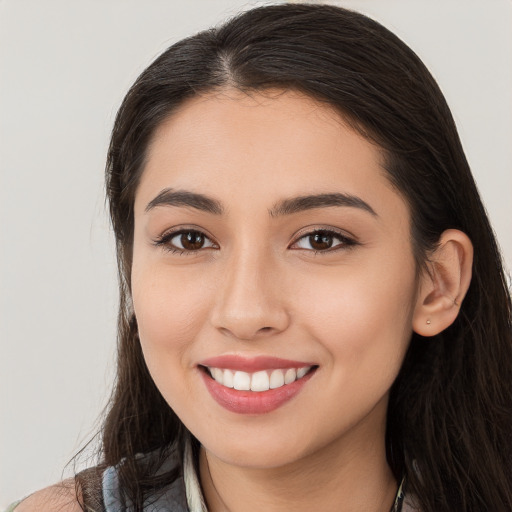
(253,402)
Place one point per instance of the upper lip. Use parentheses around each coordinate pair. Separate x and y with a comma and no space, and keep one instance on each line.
(252,364)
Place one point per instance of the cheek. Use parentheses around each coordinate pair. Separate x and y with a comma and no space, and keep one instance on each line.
(363,317)
(170,308)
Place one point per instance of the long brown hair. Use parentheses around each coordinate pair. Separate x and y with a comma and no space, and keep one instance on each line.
(450,410)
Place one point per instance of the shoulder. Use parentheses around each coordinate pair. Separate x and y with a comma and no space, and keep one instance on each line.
(59,497)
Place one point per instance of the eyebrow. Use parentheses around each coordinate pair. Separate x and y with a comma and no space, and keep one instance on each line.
(310,202)
(170,197)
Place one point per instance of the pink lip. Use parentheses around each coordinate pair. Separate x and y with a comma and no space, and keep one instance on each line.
(252,364)
(253,402)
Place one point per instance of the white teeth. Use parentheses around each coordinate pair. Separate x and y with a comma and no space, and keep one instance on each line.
(276,379)
(217,374)
(258,381)
(242,381)
(290,376)
(302,371)
(227,378)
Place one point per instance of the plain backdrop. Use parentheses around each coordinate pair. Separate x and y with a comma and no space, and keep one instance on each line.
(64,68)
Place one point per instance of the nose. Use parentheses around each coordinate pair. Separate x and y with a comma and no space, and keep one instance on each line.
(250,303)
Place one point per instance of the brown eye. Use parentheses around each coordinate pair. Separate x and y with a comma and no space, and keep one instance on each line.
(323,241)
(184,241)
(192,240)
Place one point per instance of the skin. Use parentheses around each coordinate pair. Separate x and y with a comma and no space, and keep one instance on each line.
(259,289)
(254,286)
(59,497)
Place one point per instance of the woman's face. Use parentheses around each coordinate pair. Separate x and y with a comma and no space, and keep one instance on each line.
(271,251)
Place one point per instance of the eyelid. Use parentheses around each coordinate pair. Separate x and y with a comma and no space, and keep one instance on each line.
(348,240)
(164,239)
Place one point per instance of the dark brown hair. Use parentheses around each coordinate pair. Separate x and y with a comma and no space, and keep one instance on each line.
(450,410)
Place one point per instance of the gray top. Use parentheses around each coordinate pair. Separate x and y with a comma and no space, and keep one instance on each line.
(184,494)
(173,497)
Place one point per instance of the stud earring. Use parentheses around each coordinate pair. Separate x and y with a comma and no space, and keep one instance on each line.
(428,322)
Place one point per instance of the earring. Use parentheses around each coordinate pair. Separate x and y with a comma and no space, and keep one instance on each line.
(428,322)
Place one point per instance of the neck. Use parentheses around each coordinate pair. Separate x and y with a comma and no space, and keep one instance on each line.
(344,476)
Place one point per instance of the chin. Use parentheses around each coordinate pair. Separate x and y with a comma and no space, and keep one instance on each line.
(255,456)
(259,447)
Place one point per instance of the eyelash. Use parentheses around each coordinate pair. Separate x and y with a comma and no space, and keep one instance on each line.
(346,242)
(164,241)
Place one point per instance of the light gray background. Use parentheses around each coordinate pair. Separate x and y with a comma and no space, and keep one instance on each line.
(64,68)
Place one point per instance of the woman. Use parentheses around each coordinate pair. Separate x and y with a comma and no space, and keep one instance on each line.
(313,309)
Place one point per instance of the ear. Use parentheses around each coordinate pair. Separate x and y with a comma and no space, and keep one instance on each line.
(444,284)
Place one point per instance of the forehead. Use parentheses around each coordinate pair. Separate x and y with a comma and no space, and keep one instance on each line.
(269,145)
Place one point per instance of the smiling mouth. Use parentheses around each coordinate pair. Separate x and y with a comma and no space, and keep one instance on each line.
(259,381)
